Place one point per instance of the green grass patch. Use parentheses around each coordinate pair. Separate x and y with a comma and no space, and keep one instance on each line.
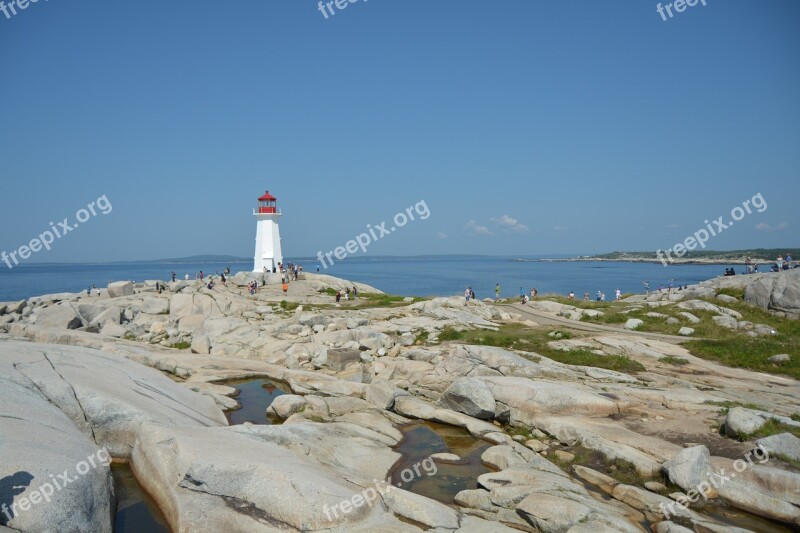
(366,300)
(618,363)
(289,306)
(181,345)
(522,338)
(450,334)
(607,318)
(734,347)
(677,361)
(772,427)
(422,337)
(730,291)
(788,460)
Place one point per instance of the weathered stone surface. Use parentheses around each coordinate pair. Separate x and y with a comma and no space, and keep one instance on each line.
(685,332)
(780,359)
(382,394)
(286,405)
(689,468)
(155,306)
(39,443)
(420,509)
(633,323)
(291,476)
(782,444)
(725,321)
(339,358)
(740,422)
(528,398)
(107,396)
(59,317)
(471,397)
(776,292)
(120,288)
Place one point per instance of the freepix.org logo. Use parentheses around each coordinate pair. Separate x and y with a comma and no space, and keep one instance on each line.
(47,238)
(10,9)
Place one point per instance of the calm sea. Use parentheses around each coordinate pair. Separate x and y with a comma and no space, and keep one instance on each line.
(411,276)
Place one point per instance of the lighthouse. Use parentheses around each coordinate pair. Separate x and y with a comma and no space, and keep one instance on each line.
(268,237)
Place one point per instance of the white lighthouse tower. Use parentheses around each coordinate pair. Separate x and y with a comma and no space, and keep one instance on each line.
(268,237)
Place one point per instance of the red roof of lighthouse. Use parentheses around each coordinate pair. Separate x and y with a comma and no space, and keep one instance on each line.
(267,196)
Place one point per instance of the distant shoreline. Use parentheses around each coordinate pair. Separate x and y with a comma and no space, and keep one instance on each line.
(674,261)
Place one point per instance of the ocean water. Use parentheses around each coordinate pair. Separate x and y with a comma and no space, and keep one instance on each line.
(408,276)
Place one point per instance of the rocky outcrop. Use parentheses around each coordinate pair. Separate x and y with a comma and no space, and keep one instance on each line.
(471,397)
(776,292)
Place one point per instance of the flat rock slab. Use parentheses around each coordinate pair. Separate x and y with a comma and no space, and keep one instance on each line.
(106,396)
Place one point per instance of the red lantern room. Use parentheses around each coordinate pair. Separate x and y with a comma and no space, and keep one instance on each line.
(267,203)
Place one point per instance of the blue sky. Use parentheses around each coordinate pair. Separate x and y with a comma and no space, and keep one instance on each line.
(527,127)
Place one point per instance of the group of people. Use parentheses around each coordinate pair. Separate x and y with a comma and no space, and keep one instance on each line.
(347,293)
(469,294)
(782,263)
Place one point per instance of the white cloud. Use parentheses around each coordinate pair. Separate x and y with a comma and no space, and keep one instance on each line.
(763,226)
(472,228)
(509,223)
(441,235)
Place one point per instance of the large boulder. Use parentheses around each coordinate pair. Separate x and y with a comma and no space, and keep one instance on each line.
(471,397)
(776,292)
(120,288)
(784,445)
(61,316)
(691,467)
(741,422)
(529,399)
(155,306)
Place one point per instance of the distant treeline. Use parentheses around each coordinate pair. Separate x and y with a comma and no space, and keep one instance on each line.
(765,254)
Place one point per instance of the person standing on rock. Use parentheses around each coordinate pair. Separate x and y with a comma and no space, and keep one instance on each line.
(496,292)
(174,276)
(338,296)
(355,292)
(618,295)
(466,295)
(646,288)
